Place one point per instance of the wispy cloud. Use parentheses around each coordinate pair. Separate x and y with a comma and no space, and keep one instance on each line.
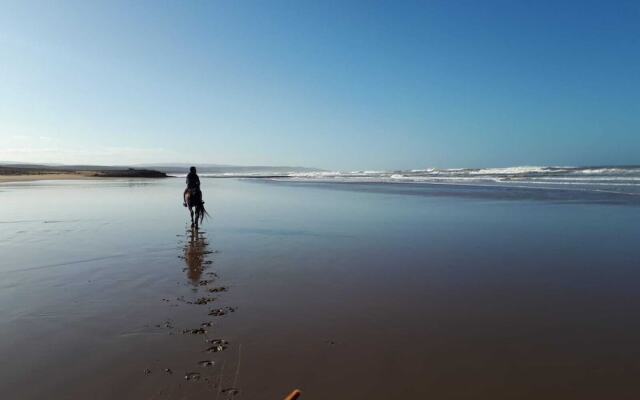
(45,149)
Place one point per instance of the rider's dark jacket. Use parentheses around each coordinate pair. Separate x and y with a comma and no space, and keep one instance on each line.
(193,182)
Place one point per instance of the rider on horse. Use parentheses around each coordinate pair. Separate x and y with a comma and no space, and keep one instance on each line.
(193,184)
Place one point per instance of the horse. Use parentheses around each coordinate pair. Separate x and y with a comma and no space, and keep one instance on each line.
(193,199)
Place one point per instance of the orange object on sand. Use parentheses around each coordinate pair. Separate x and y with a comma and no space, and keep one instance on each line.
(293,395)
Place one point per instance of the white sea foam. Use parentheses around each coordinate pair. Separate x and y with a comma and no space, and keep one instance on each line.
(508,171)
(598,178)
(538,176)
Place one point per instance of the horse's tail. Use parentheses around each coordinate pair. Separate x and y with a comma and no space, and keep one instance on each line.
(202,211)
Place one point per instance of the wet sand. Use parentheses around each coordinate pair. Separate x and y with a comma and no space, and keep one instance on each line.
(107,293)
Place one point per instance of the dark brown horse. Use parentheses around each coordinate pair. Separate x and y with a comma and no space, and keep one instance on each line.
(193,199)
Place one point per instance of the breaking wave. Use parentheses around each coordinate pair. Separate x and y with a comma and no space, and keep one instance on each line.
(614,179)
(620,179)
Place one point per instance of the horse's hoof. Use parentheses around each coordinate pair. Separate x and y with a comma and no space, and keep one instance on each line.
(193,225)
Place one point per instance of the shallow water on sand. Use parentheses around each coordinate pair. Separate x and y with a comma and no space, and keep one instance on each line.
(342,292)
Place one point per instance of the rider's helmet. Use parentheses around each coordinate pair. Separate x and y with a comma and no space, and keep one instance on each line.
(192,169)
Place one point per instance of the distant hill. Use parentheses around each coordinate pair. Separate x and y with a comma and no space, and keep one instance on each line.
(163,167)
(62,167)
(15,169)
(222,168)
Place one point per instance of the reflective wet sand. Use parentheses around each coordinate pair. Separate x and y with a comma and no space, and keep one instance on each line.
(345,294)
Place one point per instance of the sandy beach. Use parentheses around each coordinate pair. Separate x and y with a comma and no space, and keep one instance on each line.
(341,291)
(40,177)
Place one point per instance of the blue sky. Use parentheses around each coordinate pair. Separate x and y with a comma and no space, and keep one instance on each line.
(330,84)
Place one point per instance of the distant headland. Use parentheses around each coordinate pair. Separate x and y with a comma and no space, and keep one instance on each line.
(11,171)
(30,172)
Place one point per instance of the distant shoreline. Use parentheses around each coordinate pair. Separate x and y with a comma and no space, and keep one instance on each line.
(17,174)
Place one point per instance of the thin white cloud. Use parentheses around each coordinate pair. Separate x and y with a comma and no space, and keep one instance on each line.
(99,155)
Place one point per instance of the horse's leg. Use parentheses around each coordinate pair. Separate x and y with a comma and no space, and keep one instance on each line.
(191,211)
(197,216)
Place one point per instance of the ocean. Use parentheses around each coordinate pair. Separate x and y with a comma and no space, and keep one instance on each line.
(617,184)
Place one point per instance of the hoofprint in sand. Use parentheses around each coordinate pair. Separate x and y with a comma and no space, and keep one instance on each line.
(197,258)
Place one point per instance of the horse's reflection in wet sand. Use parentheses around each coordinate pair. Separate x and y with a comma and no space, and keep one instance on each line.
(195,252)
